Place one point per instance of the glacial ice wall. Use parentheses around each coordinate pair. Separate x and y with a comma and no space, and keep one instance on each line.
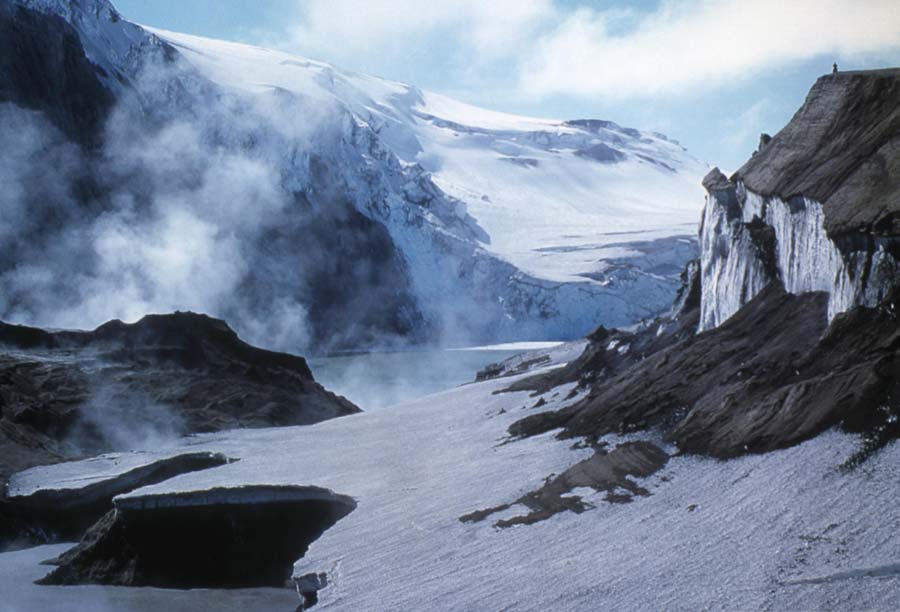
(731,269)
(737,260)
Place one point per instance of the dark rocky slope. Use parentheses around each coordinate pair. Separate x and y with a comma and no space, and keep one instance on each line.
(773,375)
(69,394)
(782,366)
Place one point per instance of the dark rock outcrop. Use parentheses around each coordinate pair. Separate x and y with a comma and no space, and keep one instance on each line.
(602,153)
(842,148)
(607,472)
(43,67)
(68,394)
(771,376)
(222,538)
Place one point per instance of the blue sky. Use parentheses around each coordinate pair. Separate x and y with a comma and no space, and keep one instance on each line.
(711,73)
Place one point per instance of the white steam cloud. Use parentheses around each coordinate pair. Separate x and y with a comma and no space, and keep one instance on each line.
(172,214)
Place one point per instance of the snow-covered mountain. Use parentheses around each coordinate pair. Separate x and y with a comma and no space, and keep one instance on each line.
(432,219)
(558,199)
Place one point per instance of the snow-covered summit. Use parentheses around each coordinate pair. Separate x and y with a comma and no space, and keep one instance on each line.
(557,198)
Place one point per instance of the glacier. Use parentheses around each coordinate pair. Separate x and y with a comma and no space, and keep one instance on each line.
(497,227)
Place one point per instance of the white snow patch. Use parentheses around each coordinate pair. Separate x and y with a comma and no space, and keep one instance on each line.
(712,534)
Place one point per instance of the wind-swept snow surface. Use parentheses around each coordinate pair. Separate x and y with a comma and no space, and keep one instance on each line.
(784,530)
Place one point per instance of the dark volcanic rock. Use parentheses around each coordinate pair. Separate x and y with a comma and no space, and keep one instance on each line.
(66,394)
(43,67)
(607,472)
(601,152)
(59,515)
(841,148)
(773,375)
(222,538)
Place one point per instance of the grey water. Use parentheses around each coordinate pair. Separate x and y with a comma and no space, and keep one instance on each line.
(18,593)
(378,379)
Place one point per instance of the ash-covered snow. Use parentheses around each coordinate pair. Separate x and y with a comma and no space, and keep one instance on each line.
(774,531)
(80,474)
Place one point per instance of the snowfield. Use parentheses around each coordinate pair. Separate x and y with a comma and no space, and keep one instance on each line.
(550,203)
(786,530)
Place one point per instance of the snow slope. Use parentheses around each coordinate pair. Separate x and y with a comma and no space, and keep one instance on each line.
(784,530)
(548,200)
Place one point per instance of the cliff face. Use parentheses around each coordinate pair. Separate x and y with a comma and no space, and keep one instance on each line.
(43,67)
(842,149)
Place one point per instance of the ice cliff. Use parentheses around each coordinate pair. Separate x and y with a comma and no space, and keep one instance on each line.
(816,208)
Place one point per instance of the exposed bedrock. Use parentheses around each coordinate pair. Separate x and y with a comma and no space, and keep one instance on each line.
(841,148)
(610,472)
(220,538)
(773,375)
(59,515)
(65,395)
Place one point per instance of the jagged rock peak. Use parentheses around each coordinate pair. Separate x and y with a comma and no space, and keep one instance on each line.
(715,180)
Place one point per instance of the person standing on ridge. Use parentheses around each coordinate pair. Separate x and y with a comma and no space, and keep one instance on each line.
(834,68)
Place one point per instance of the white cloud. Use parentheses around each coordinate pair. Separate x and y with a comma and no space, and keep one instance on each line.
(702,42)
(548,48)
(349,32)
